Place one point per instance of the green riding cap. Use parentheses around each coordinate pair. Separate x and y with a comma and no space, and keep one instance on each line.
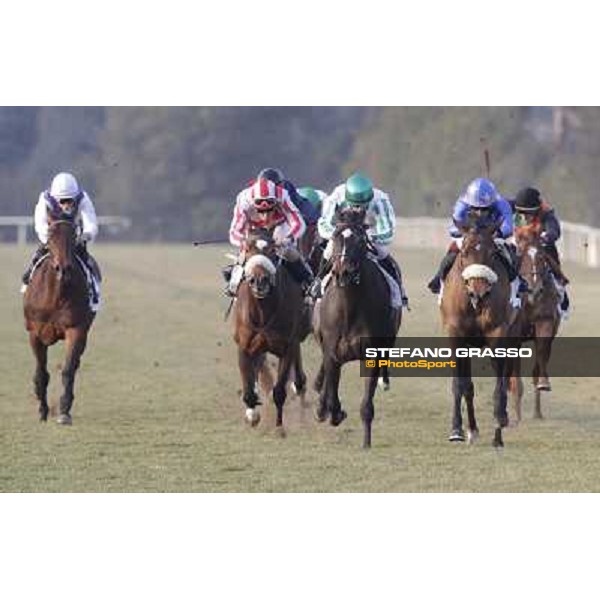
(311,195)
(359,190)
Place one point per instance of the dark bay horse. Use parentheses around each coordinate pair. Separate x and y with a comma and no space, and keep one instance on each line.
(311,246)
(56,307)
(540,317)
(355,305)
(475,310)
(270,315)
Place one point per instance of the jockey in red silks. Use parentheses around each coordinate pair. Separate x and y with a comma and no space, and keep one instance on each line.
(267,205)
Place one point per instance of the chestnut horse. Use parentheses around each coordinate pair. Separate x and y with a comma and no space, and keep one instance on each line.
(356,304)
(56,307)
(270,316)
(475,310)
(540,316)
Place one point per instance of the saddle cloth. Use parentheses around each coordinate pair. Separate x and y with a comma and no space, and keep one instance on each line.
(93,278)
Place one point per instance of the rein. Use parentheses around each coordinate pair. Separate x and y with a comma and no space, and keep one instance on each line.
(370,247)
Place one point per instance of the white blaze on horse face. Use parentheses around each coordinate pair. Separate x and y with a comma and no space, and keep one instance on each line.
(532,252)
(345,234)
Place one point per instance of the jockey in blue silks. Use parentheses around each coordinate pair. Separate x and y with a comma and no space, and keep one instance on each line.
(482,206)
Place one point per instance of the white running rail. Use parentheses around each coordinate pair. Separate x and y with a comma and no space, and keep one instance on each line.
(112,224)
(578,243)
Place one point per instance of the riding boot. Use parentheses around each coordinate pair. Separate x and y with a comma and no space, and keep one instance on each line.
(40,251)
(90,264)
(300,271)
(435,285)
(315,291)
(226,272)
(233,275)
(554,264)
(82,252)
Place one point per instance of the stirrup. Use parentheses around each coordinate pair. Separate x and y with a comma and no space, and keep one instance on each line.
(523,287)
(435,285)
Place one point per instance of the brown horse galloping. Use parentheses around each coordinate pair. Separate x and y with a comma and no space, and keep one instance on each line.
(56,307)
(270,316)
(356,304)
(475,309)
(540,317)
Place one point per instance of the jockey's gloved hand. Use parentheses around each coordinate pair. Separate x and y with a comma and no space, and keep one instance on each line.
(544,237)
(282,240)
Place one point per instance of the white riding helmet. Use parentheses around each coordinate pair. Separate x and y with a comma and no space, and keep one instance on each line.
(64,185)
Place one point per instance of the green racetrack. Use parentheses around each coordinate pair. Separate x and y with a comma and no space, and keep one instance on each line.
(157,403)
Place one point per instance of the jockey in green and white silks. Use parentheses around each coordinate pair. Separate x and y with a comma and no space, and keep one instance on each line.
(358,193)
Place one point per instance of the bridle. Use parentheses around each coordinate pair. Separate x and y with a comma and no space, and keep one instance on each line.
(350,276)
(59,269)
(537,275)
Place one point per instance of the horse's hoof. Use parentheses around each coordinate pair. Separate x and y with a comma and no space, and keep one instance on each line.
(538,415)
(544,387)
(321,414)
(498,441)
(298,391)
(280,432)
(472,436)
(503,421)
(383,385)
(252,417)
(64,420)
(337,418)
(457,435)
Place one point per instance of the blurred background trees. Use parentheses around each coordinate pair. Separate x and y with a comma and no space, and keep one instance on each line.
(176,171)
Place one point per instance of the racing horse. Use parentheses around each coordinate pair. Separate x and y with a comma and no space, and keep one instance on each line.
(540,317)
(356,304)
(270,315)
(56,307)
(475,310)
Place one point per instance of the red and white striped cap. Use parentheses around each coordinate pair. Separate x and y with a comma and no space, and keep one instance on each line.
(263,189)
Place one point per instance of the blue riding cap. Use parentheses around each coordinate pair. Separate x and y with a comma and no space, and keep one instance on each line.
(480,193)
